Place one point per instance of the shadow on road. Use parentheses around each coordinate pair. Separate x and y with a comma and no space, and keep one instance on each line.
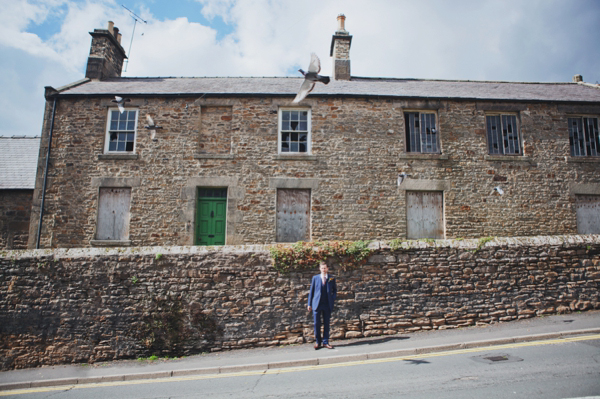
(373,342)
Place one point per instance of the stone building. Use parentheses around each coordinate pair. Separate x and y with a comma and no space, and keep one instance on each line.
(18,163)
(212,161)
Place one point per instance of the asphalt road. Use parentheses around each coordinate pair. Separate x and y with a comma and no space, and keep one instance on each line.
(539,369)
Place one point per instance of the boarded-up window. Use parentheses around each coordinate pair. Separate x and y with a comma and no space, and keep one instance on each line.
(588,214)
(293,215)
(113,214)
(215,132)
(424,214)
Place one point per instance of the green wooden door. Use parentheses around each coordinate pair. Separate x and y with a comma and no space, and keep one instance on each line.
(211,215)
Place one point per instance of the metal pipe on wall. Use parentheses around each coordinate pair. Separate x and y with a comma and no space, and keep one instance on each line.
(39,232)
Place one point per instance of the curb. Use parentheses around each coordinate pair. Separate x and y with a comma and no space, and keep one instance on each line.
(295,363)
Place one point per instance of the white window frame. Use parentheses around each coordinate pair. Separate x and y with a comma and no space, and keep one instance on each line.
(108,132)
(420,112)
(518,128)
(280,133)
(593,148)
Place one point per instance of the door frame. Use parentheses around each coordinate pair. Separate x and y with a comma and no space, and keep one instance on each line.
(215,199)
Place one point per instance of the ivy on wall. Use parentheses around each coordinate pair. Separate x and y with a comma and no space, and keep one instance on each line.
(307,255)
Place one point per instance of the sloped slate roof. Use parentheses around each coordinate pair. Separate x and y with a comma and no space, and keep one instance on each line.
(377,87)
(18,162)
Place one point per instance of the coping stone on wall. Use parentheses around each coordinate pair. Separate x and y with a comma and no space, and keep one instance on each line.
(467,244)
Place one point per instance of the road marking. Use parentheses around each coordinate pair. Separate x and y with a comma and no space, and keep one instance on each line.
(302,368)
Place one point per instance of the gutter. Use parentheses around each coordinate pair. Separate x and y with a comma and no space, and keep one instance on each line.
(316,95)
(39,232)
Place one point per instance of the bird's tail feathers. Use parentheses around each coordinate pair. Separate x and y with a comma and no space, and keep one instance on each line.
(324,79)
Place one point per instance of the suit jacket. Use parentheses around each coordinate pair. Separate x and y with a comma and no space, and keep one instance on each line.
(314,295)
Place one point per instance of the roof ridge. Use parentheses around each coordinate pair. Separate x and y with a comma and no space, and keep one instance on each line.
(458,80)
(203,77)
(19,137)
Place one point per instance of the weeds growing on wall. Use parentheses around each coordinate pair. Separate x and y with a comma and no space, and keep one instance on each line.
(307,255)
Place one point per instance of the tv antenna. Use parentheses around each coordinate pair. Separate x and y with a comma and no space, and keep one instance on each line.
(136,18)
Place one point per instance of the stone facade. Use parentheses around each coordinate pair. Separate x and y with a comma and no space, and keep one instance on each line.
(15,211)
(358,150)
(88,305)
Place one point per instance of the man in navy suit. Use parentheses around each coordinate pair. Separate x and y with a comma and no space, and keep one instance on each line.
(320,300)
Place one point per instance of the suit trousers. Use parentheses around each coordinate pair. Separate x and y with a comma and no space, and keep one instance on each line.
(326,314)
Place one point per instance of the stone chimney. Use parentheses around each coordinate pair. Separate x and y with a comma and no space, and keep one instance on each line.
(106,54)
(340,50)
(577,78)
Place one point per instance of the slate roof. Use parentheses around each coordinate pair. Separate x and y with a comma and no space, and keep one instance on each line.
(18,162)
(361,87)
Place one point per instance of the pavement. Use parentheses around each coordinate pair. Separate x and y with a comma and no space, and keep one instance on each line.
(243,360)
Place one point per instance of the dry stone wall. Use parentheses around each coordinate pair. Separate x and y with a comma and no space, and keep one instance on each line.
(358,150)
(88,305)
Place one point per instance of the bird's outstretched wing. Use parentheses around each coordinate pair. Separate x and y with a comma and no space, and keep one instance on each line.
(119,101)
(306,88)
(150,120)
(315,64)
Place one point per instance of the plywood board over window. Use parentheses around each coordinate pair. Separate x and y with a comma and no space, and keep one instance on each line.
(588,214)
(293,215)
(424,214)
(113,213)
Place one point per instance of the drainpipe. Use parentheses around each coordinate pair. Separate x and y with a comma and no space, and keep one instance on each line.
(39,232)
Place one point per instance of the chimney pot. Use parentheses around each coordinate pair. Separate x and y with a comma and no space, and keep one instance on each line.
(115,32)
(111,25)
(577,78)
(119,37)
(341,23)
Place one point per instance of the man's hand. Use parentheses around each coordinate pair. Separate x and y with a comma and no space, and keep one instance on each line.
(309,308)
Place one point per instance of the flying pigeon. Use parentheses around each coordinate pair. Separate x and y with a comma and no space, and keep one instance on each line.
(310,78)
(401,177)
(120,102)
(498,190)
(151,126)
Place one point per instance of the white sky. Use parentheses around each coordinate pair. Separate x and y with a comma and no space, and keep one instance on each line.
(46,42)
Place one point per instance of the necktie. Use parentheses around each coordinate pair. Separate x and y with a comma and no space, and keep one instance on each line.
(323,279)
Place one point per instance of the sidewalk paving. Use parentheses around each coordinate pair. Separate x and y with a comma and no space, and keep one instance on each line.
(538,328)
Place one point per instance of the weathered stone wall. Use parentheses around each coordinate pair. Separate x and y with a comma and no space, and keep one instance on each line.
(15,211)
(358,150)
(87,305)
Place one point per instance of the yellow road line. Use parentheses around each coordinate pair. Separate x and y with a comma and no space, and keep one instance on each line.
(303,368)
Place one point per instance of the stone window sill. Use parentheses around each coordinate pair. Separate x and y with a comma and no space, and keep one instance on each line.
(295,157)
(214,156)
(107,157)
(583,160)
(110,243)
(434,157)
(507,158)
